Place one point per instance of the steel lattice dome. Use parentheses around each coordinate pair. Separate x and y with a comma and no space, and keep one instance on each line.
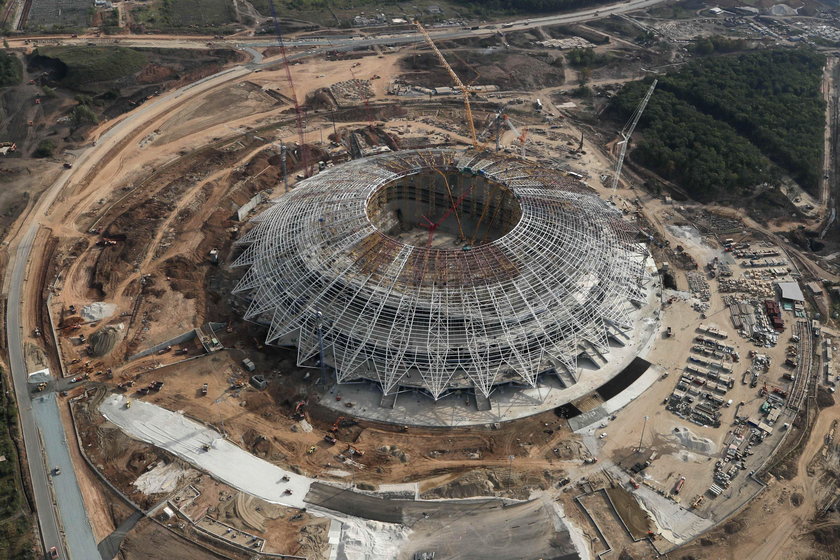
(441,270)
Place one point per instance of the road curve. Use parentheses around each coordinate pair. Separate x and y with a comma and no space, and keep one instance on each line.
(58,500)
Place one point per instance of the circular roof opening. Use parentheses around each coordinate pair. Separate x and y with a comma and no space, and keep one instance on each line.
(445,209)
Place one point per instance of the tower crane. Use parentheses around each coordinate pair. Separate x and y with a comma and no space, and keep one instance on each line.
(304,153)
(627,132)
(465,91)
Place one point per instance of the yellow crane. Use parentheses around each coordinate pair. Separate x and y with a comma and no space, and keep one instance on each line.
(465,91)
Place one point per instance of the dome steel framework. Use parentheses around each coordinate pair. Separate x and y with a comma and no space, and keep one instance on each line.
(443,270)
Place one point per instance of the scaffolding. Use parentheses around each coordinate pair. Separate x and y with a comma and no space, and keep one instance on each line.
(524,272)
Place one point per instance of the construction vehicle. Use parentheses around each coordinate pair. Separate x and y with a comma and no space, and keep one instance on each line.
(37,331)
(627,132)
(465,91)
(204,390)
(40,387)
(298,413)
(339,423)
(329,438)
(128,403)
(354,451)
(311,450)
(299,112)
(125,385)
(678,486)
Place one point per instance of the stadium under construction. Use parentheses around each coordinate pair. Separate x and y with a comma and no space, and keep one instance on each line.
(443,271)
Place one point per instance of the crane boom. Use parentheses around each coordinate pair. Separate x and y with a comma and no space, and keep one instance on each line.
(628,129)
(304,156)
(465,91)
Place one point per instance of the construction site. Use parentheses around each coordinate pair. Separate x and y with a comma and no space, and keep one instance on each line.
(341,303)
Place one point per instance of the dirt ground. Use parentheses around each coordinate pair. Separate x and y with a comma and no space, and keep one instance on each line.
(165,192)
(150,541)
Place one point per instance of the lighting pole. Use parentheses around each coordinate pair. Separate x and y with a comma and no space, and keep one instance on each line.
(510,471)
(639,450)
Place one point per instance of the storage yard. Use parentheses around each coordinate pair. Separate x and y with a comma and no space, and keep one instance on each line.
(386,331)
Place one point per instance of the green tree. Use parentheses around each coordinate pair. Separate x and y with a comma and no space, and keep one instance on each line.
(45,149)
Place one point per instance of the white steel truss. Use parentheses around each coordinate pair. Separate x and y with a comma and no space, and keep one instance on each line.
(555,286)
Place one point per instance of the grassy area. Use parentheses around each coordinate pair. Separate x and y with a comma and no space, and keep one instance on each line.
(679,10)
(334,13)
(95,64)
(182,15)
(11,69)
(15,525)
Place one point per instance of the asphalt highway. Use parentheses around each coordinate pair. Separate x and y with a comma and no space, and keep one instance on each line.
(58,501)
(349,41)
(43,437)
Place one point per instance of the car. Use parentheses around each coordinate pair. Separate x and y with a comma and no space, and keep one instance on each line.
(53,552)
(56,471)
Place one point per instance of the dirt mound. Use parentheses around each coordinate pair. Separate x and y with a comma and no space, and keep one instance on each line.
(104,340)
(470,485)
(488,482)
(508,71)
(692,442)
(827,536)
(97,311)
(154,73)
(184,276)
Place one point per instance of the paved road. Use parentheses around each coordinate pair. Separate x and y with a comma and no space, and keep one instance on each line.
(40,422)
(347,42)
(58,501)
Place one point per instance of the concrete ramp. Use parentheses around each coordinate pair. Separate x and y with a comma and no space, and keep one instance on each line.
(482,402)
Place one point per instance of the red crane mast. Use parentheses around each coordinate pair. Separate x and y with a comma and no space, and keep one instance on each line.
(299,113)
